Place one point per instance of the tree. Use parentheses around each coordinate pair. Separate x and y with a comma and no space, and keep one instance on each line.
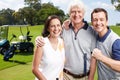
(17,18)
(2,20)
(29,15)
(6,17)
(32,14)
(116,3)
(46,10)
(26,15)
(33,3)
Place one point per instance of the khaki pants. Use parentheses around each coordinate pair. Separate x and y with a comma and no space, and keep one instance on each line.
(69,77)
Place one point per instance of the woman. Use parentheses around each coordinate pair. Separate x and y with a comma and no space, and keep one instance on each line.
(48,61)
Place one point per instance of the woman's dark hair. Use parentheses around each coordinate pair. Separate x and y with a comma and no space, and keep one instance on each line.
(96,10)
(45,32)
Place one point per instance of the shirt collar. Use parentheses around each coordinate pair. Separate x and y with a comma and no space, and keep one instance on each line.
(84,27)
(102,39)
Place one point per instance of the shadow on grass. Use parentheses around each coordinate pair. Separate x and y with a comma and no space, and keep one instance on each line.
(24,53)
(15,61)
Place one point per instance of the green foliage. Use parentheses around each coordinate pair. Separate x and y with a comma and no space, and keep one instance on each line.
(116,3)
(34,14)
(46,10)
(6,16)
(31,3)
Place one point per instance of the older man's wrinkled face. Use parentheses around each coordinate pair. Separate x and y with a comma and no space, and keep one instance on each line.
(76,14)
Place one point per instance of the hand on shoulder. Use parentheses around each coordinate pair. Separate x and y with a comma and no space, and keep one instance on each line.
(39,41)
(66,24)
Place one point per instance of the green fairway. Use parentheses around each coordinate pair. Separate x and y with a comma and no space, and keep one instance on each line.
(19,72)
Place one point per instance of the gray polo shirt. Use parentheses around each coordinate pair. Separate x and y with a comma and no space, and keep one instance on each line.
(105,45)
(76,45)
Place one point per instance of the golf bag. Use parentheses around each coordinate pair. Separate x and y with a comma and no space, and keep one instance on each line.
(9,53)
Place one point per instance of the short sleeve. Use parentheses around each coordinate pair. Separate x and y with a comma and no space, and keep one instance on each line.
(116,50)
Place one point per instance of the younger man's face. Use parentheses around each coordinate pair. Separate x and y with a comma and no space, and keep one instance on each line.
(99,21)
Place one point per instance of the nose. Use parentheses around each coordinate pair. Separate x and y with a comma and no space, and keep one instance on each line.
(98,22)
(56,27)
(76,13)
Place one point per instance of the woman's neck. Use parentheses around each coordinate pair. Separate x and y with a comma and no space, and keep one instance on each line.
(53,39)
(54,42)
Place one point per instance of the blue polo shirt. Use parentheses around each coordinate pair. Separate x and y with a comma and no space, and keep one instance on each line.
(115,46)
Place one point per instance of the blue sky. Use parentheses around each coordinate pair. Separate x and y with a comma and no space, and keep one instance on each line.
(63,4)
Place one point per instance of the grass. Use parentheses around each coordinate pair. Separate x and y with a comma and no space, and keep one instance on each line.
(21,58)
(116,29)
(34,31)
(19,72)
(19,67)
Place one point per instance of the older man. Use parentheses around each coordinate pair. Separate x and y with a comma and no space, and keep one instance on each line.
(79,39)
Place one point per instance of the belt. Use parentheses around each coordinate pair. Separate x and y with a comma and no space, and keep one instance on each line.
(75,75)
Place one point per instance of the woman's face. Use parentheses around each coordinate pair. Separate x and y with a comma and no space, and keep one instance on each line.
(55,28)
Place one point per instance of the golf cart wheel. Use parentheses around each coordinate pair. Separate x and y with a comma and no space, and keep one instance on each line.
(30,49)
(6,59)
(3,50)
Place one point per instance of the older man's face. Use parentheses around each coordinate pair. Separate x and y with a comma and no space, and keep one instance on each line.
(76,14)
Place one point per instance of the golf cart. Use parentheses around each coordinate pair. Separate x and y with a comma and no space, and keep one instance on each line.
(4,43)
(24,45)
(5,48)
